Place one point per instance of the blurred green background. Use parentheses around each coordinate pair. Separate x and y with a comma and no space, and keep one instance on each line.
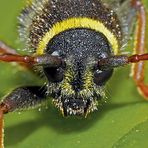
(122,122)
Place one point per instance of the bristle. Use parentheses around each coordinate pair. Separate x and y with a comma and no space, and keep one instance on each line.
(32,9)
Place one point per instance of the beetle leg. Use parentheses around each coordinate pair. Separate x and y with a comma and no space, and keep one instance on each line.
(139,47)
(20,98)
(5,49)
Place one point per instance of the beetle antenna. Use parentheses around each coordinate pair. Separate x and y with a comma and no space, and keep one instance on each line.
(49,60)
(120,60)
(137,58)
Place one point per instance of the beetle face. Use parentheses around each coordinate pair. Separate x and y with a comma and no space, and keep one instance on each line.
(77,87)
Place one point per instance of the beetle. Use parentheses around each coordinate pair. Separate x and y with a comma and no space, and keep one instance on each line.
(76,44)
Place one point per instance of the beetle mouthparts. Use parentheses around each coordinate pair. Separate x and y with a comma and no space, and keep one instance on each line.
(75,106)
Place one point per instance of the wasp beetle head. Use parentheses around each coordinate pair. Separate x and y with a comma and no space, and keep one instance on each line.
(77,86)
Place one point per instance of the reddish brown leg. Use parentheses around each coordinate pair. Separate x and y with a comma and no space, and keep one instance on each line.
(1,129)
(138,68)
(3,109)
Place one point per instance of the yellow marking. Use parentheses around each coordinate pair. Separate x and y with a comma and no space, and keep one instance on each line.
(88,82)
(132,73)
(65,85)
(80,22)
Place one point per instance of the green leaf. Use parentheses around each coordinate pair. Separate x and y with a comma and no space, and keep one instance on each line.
(122,122)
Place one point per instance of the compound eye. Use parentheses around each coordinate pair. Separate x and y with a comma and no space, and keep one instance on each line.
(101,77)
(54,74)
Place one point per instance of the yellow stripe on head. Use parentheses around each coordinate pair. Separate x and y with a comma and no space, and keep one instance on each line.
(79,22)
